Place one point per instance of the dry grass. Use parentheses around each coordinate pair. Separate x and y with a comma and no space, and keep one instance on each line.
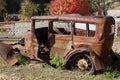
(43,71)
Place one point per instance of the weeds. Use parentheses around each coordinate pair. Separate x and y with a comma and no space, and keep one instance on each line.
(110,73)
(113,70)
(22,60)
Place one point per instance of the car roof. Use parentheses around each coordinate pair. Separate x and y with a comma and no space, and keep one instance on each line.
(70,17)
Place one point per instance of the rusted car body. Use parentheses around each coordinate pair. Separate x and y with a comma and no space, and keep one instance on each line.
(84,43)
(81,49)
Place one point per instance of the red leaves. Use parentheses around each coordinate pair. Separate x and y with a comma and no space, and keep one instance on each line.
(70,6)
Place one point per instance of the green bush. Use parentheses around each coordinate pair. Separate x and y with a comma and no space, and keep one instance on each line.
(56,61)
(28,9)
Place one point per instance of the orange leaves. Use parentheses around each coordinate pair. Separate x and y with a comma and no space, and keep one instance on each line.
(70,6)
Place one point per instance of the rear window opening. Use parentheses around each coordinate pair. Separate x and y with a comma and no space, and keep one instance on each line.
(85,29)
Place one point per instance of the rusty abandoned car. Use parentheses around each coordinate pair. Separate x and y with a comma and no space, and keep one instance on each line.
(83,41)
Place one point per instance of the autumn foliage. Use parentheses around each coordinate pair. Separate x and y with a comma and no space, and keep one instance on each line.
(82,7)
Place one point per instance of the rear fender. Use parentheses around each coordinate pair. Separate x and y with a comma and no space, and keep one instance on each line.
(97,62)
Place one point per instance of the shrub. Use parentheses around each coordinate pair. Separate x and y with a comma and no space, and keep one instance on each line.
(56,61)
(70,6)
(28,9)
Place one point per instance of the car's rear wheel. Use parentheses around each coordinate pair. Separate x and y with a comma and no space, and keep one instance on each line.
(82,62)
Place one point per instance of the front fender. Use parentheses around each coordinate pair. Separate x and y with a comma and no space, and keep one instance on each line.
(7,53)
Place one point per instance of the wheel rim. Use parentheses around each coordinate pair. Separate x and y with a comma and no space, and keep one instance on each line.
(82,62)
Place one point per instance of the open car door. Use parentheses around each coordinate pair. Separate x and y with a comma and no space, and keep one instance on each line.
(31,45)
